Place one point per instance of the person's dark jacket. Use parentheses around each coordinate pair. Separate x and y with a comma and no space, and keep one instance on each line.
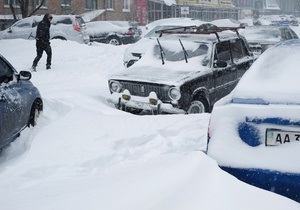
(43,31)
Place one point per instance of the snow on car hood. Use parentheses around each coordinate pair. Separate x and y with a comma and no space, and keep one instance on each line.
(155,75)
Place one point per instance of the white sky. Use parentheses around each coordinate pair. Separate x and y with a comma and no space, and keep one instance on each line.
(85,154)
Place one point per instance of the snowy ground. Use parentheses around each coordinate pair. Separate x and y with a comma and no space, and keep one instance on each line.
(85,154)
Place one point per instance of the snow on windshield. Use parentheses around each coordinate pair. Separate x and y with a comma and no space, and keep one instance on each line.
(176,52)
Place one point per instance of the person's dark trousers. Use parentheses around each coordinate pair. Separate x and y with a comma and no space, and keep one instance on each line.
(40,48)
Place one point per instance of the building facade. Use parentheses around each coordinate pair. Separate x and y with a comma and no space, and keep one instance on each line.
(146,11)
(107,9)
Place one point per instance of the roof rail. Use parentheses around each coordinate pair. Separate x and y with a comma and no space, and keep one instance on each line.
(199,30)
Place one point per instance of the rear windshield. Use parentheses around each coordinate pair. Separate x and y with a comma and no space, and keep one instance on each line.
(80,20)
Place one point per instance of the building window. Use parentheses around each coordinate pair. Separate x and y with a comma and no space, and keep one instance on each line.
(39,2)
(8,2)
(110,4)
(65,6)
(126,5)
(91,4)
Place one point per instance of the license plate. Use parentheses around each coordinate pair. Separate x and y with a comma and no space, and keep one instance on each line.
(277,137)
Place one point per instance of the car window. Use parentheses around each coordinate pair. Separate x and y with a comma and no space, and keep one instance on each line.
(63,21)
(223,51)
(6,73)
(23,24)
(285,34)
(294,35)
(80,20)
(237,49)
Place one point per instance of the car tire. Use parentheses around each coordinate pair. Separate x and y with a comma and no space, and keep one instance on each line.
(198,106)
(34,113)
(114,41)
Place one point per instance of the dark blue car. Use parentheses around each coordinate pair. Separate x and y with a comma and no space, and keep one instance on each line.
(254,132)
(20,102)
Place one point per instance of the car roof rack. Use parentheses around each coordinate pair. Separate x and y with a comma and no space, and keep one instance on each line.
(203,29)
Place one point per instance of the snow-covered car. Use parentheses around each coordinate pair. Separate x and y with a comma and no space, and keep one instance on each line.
(227,23)
(254,132)
(114,32)
(135,51)
(64,27)
(183,74)
(281,20)
(20,102)
(261,38)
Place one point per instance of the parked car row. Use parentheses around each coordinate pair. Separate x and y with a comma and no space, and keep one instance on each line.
(254,129)
(73,27)
(182,68)
(64,27)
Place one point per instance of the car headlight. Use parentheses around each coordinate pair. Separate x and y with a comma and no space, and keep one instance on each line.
(115,86)
(174,93)
(153,98)
(126,95)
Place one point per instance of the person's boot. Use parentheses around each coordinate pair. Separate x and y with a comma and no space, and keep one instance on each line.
(48,67)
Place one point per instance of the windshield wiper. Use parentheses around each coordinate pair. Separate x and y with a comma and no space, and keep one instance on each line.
(161,52)
(184,51)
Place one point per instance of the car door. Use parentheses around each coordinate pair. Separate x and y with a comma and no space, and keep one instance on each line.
(10,109)
(224,71)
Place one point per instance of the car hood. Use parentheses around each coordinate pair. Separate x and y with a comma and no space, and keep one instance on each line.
(156,75)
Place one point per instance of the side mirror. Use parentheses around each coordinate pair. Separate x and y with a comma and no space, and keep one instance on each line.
(220,64)
(25,75)
(9,30)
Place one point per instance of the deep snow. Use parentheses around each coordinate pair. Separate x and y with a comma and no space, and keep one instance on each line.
(85,154)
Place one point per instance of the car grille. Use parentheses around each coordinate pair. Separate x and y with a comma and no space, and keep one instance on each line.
(144,90)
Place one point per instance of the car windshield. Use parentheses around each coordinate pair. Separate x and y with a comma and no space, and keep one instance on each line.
(180,50)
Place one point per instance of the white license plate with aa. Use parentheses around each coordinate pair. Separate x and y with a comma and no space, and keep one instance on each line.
(277,137)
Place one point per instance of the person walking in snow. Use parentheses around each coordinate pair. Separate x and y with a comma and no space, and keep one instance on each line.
(43,41)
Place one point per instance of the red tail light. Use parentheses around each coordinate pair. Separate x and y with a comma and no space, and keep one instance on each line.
(76,26)
(130,32)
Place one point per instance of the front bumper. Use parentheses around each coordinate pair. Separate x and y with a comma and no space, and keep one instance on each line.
(143,103)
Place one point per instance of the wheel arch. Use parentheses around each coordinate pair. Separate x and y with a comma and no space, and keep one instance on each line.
(114,36)
(59,37)
(37,104)
(202,93)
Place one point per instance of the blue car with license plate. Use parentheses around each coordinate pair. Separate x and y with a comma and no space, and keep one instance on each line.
(254,132)
(20,102)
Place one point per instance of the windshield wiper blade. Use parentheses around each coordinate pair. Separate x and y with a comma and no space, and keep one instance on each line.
(184,51)
(161,52)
